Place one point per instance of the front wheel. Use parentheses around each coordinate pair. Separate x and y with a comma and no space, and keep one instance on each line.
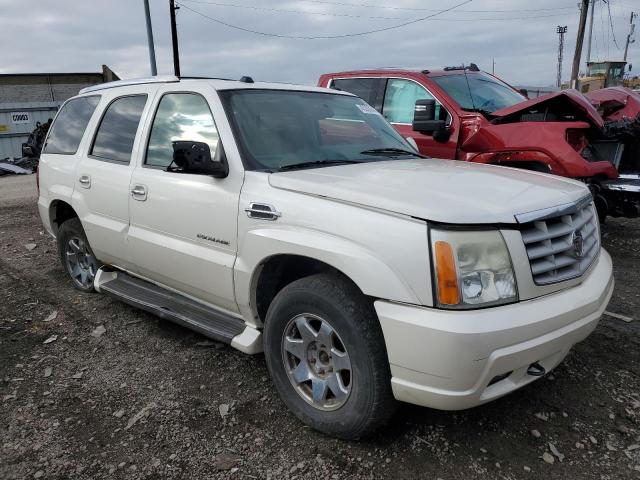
(326,355)
(76,255)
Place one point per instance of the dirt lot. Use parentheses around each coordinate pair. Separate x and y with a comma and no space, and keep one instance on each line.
(148,399)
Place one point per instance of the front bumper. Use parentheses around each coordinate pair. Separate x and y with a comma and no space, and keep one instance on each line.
(448,359)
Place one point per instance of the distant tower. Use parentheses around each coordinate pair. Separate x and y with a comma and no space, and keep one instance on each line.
(561,31)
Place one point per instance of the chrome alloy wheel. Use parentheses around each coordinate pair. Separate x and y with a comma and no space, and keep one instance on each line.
(81,264)
(317,362)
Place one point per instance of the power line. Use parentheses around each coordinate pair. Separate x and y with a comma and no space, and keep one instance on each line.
(285,10)
(613,33)
(348,15)
(417,9)
(323,37)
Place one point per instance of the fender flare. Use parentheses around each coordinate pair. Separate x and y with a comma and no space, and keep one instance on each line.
(353,260)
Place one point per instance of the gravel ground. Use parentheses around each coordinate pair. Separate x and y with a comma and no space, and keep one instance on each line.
(91,388)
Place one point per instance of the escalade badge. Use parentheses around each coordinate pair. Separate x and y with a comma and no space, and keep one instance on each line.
(578,244)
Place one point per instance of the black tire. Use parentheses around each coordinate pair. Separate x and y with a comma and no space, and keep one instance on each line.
(370,402)
(71,232)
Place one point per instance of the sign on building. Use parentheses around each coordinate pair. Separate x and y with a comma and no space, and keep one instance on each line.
(20,117)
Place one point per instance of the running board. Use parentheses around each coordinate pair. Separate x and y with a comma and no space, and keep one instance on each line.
(169,305)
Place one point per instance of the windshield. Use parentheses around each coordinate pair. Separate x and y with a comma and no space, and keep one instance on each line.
(482,93)
(284,129)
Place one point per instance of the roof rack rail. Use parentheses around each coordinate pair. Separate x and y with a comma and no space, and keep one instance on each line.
(190,77)
(133,81)
(472,67)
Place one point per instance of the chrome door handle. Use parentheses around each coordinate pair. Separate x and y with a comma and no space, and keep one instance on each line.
(262,211)
(85,181)
(139,192)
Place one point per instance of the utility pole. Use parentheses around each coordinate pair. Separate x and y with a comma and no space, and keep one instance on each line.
(579,41)
(174,38)
(593,7)
(630,39)
(152,50)
(493,66)
(561,31)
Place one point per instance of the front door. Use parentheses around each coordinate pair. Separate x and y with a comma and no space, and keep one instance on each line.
(398,108)
(183,227)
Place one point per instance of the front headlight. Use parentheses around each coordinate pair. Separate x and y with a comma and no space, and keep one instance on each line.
(472,269)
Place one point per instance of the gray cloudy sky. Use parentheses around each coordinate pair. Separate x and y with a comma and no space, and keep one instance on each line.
(80,35)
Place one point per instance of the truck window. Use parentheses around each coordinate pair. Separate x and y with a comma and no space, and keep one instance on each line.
(400,101)
(365,88)
(180,116)
(68,128)
(118,127)
(479,91)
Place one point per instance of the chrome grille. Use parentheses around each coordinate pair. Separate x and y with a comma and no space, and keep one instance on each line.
(561,242)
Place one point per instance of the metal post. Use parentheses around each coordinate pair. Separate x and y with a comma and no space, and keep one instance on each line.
(593,7)
(561,31)
(630,35)
(174,38)
(575,69)
(152,50)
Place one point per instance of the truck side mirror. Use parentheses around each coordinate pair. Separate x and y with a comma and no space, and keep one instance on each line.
(195,157)
(424,120)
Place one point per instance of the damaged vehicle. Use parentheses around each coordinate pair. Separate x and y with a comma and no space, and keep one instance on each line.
(620,109)
(295,221)
(465,114)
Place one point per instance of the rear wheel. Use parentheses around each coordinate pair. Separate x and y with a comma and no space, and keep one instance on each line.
(325,351)
(76,255)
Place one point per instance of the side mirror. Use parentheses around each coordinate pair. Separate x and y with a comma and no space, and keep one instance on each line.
(424,121)
(424,117)
(524,92)
(195,157)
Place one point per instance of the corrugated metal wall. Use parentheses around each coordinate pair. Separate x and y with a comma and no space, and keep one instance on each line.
(15,128)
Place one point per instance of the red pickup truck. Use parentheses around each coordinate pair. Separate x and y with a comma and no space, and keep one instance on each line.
(465,114)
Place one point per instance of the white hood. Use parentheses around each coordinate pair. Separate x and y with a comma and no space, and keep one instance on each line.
(439,190)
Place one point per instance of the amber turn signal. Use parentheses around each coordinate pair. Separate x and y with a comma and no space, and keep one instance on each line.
(448,292)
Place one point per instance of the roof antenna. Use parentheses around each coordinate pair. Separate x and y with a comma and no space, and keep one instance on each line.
(464,70)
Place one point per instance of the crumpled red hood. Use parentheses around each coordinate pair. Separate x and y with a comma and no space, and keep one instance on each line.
(575,97)
(616,103)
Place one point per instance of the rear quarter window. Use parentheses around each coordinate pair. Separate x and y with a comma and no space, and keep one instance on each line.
(70,124)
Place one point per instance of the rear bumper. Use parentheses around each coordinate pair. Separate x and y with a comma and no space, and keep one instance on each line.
(448,359)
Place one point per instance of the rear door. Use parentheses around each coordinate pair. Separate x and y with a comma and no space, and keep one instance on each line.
(183,231)
(101,194)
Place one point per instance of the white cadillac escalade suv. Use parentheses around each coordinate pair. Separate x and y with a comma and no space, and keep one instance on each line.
(296,221)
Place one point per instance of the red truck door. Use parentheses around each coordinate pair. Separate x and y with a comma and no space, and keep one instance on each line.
(395,99)
(398,107)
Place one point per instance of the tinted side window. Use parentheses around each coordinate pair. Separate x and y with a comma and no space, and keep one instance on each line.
(71,122)
(365,88)
(400,100)
(180,116)
(117,130)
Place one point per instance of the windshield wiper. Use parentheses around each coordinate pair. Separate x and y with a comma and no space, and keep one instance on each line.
(391,152)
(316,163)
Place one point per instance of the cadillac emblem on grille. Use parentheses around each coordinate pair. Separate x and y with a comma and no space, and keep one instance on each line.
(578,244)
